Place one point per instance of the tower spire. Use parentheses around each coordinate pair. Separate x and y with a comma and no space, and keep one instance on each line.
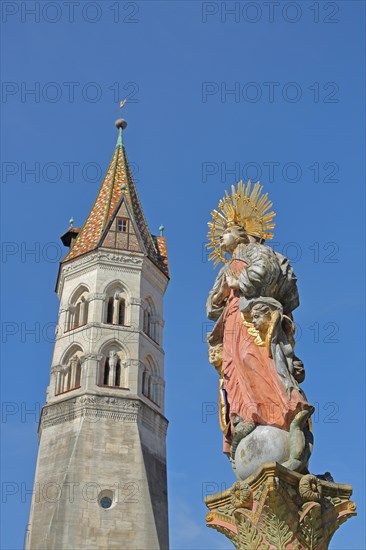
(118,197)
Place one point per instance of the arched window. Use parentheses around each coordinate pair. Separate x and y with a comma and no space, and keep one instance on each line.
(150,325)
(115,310)
(69,375)
(150,381)
(147,321)
(78,309)
(145,382)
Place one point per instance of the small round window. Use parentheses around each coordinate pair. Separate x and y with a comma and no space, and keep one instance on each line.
(105,499)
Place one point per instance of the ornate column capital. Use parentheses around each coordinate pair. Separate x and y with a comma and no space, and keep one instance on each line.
(56,368)
(278,508)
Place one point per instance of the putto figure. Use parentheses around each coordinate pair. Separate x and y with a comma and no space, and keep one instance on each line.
(264,415)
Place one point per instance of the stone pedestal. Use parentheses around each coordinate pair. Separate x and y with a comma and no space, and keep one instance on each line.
(276,508)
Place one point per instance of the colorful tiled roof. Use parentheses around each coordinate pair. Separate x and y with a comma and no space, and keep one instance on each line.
(118,181)
(161,245)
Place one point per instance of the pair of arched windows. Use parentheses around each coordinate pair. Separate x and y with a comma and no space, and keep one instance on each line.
(112,371)
(69,376)
(116,309)
(78,310)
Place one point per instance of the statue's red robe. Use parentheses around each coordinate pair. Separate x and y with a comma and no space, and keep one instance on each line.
(253,388)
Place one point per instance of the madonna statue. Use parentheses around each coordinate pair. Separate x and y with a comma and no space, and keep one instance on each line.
(264,415)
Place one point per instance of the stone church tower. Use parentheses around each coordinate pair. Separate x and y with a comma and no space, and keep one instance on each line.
(100,481)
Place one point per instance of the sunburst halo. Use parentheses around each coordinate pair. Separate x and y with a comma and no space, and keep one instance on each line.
(244,208)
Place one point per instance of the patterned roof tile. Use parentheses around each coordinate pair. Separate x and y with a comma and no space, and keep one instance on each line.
(110,193)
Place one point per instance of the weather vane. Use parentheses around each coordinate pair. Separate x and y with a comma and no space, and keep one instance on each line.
(121,104)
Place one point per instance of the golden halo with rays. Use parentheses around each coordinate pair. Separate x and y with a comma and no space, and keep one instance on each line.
(247,208)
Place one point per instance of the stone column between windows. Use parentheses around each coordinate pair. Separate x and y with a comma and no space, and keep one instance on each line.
(96,302)
(90,371)
(69,319)
(72,375)
(112,374)
(66,378)
(136,314)
(82,319)
(115,318)
(62,321)
(55,382)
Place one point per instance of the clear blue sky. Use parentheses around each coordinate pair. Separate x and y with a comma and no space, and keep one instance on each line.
(295,119)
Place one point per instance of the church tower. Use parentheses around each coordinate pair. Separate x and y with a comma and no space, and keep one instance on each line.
(100,481)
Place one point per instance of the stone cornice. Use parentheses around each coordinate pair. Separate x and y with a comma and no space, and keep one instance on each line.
(94,408)
(104,258)
(90,407)
(128,258)
(119,268)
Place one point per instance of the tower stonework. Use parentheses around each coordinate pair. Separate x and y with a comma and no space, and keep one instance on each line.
(100,479)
